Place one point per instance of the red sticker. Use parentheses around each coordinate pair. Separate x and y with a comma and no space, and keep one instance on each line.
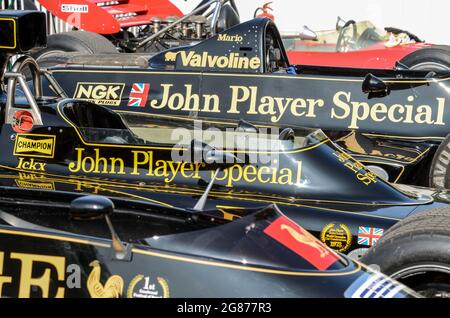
(301,242)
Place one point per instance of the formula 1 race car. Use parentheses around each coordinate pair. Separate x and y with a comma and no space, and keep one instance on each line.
(66,252)
(394,121)
(363,45)
(54,243)
(228,166)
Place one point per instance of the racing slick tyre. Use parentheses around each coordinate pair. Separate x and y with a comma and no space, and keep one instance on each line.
(416,252)
(440,166)
(75,41)
(434,58)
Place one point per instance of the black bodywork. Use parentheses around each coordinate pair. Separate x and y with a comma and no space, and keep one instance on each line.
(393,119)
(90,149)
(171,253)
(57,242)
(123,150)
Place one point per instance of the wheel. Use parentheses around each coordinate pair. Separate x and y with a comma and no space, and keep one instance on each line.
(435,58)
(75,41)
(440,166)
(416,252)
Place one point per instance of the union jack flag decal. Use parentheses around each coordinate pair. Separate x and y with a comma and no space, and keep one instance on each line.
(139,95)
(369,236)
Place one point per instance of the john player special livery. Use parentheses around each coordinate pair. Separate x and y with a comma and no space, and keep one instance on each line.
(54,241)
(162,168)
(394,121)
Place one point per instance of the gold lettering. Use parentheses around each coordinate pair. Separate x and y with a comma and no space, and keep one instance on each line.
(356,116)
(440,114)
(137,162)
(165,97)
(312,103)
(250,176)
(239,94)
(43,282)
(392,109)
(285,174)
(232,60)
(342,105)
(3,279)
(424,115)
(376,109)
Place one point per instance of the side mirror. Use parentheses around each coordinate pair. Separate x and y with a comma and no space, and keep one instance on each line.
(375,86)
(21,31)
(245,126)
(96,206)
(221,158)
(204,153)
(307,34)
(91,207)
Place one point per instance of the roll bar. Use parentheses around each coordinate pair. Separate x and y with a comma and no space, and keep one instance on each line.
(16,76)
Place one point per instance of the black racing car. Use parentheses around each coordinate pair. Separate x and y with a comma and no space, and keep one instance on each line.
(396,122)
(78,146)
(61,243)
(56,244)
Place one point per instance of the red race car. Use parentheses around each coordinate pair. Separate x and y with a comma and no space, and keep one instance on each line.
(108,26)
(109,17)
(362,45)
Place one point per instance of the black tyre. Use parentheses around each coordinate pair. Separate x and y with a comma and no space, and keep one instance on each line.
(440,166)
(435,58)
(437,212)
(416,252)
(75,41)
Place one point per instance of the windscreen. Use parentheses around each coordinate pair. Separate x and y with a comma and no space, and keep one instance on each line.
(144,129)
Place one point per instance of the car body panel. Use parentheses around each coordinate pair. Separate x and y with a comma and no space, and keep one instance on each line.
(411,115)
(54,264)
(375,57)
(318,186)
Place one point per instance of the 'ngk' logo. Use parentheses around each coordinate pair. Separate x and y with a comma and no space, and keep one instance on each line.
(100,94)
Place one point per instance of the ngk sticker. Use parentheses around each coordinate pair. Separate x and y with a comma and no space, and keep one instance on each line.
(75,8)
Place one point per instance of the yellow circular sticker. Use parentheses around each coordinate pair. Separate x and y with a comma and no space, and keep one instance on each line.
(336,236)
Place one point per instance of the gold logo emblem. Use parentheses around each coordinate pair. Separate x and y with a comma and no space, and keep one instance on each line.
(112,289)
(143,287)
(170,56)
(336,236)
